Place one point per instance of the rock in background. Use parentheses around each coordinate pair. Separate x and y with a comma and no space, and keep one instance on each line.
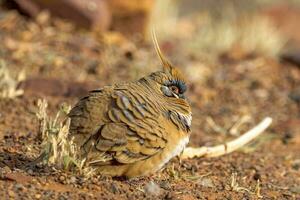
(127,17)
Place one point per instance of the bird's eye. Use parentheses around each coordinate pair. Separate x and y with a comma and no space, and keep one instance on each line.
(176,86)
(174,89)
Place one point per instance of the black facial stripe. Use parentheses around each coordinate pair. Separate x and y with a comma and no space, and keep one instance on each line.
(181,96)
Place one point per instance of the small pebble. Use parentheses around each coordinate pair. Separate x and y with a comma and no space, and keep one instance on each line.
(6,169)
(62,197)
(30,171)
(256,176)
(295,189)
(62,178)
(11,193)
(19,186)
(165,185)
(295,95)
(206,182)
(152,189)
(73,179)
(95,180)
(37,196)
(296,164)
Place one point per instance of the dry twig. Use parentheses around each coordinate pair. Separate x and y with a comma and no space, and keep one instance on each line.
(228,147)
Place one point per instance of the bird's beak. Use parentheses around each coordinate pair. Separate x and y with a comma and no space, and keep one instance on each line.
(175,95)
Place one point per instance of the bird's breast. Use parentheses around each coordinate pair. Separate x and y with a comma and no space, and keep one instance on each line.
(174,150)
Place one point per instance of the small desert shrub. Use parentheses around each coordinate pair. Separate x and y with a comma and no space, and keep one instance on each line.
(8,84)
(57,148)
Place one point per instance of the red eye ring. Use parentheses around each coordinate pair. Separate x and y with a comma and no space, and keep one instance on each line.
(174,89)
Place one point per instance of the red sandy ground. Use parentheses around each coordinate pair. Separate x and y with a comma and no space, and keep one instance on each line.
(62,65)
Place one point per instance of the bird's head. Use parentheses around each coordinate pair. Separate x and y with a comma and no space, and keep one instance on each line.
(170,87)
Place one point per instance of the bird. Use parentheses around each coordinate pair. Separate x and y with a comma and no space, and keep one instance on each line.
(133,129)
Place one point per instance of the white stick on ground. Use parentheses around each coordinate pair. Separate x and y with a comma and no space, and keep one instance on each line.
(228,147)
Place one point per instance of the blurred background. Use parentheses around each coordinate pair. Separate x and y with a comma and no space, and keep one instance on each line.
(232,52)
(191,32)
(241,59)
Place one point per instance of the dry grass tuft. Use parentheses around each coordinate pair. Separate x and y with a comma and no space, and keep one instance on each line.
(250,33)
(57,148)
(237,27)
(237,188)
(8,84)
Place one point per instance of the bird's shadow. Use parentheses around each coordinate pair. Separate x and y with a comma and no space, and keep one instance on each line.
(19,161)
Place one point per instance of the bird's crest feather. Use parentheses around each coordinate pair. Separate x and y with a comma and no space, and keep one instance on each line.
(167,66)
